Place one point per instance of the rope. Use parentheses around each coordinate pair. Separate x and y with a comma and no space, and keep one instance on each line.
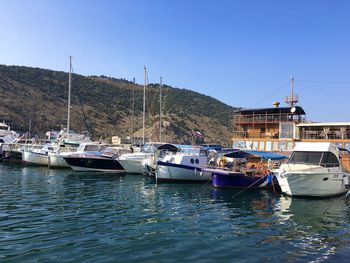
(249,186)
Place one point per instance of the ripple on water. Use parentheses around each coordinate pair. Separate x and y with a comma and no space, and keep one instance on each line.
(53,215)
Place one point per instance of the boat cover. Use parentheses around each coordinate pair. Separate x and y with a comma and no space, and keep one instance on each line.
(248,153)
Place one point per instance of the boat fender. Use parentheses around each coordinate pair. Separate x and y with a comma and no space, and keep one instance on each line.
(260,168)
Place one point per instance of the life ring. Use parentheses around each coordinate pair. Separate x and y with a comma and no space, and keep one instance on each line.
(260,168)
(267,171)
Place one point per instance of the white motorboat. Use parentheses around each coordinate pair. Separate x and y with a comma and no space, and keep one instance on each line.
(314,169)
(133,162)
(56,159)
(39,156)
(102,161)
(6,135)
(182,165)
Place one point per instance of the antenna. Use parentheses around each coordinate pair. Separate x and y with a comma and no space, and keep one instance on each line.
(292,99)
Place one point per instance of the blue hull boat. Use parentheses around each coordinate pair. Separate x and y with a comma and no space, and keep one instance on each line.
(230,179)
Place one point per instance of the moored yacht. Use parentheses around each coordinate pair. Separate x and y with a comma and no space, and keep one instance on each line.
(102,161)
(133,162)
(182,164)
(39,156)
(314,169)
(56,159)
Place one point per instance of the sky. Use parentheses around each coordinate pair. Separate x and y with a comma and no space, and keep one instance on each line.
(242,53)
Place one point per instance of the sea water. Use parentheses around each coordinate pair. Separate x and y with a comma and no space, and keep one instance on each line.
(65,216)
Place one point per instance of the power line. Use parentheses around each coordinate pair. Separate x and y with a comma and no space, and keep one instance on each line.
(324,90)
(323,82)
(271,94)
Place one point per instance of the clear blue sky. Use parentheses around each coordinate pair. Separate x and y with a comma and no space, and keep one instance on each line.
(239,52)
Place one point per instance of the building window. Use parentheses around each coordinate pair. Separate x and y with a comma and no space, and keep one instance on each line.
(286,130)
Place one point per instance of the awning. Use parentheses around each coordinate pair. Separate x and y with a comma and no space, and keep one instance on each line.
(264,155)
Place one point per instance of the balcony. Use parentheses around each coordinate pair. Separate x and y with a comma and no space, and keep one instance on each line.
(267,118)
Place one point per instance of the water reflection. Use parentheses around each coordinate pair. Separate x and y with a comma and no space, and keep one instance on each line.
(308,229)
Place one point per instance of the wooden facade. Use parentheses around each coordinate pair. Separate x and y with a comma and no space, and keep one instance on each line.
(278,129)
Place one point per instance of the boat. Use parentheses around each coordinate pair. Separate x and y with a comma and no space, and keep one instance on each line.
(39,156)
(134,162)
(102,161)
(182,163)
(314,169)
(56,159)
(6,135)
(12,152)
(245,169)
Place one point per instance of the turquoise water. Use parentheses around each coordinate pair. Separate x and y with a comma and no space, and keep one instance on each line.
(63,216)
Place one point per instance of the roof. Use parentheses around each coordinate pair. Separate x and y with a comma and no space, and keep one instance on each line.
(298,110)
(313,147)
(323,124)
(264,155)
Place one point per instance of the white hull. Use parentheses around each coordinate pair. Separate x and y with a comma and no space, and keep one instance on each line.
(57,161)
(35,158)
(313,184)
(133,163)
(171,173)
(86,169)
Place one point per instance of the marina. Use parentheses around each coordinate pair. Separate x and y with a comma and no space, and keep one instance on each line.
(174,131)
(60,215)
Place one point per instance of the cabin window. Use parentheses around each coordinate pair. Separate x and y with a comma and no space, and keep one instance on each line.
(238,144)
(306,158)
(248,145)
(262,146)
(197,161)
(289,146)
(192,161)
(329,160)
(268,146)
(255,146)
(91,148)
(275,146)
(282,146)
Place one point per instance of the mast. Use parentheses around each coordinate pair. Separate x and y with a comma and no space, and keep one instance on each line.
(292,100)
(144,108)
(133,110)
(69,91)
(160,109)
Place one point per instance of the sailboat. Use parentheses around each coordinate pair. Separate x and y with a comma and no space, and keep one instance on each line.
(67,140)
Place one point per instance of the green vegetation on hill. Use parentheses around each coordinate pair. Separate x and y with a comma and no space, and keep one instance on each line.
(40,95)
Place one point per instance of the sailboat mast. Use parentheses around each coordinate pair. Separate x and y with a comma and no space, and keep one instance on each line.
(133,110)
(160,109)
(292,100)
(144,108)
(69,92)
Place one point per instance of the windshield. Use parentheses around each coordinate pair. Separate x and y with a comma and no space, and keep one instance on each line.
(326,159)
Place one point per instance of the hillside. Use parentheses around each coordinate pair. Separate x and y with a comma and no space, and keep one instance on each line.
(40,95)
